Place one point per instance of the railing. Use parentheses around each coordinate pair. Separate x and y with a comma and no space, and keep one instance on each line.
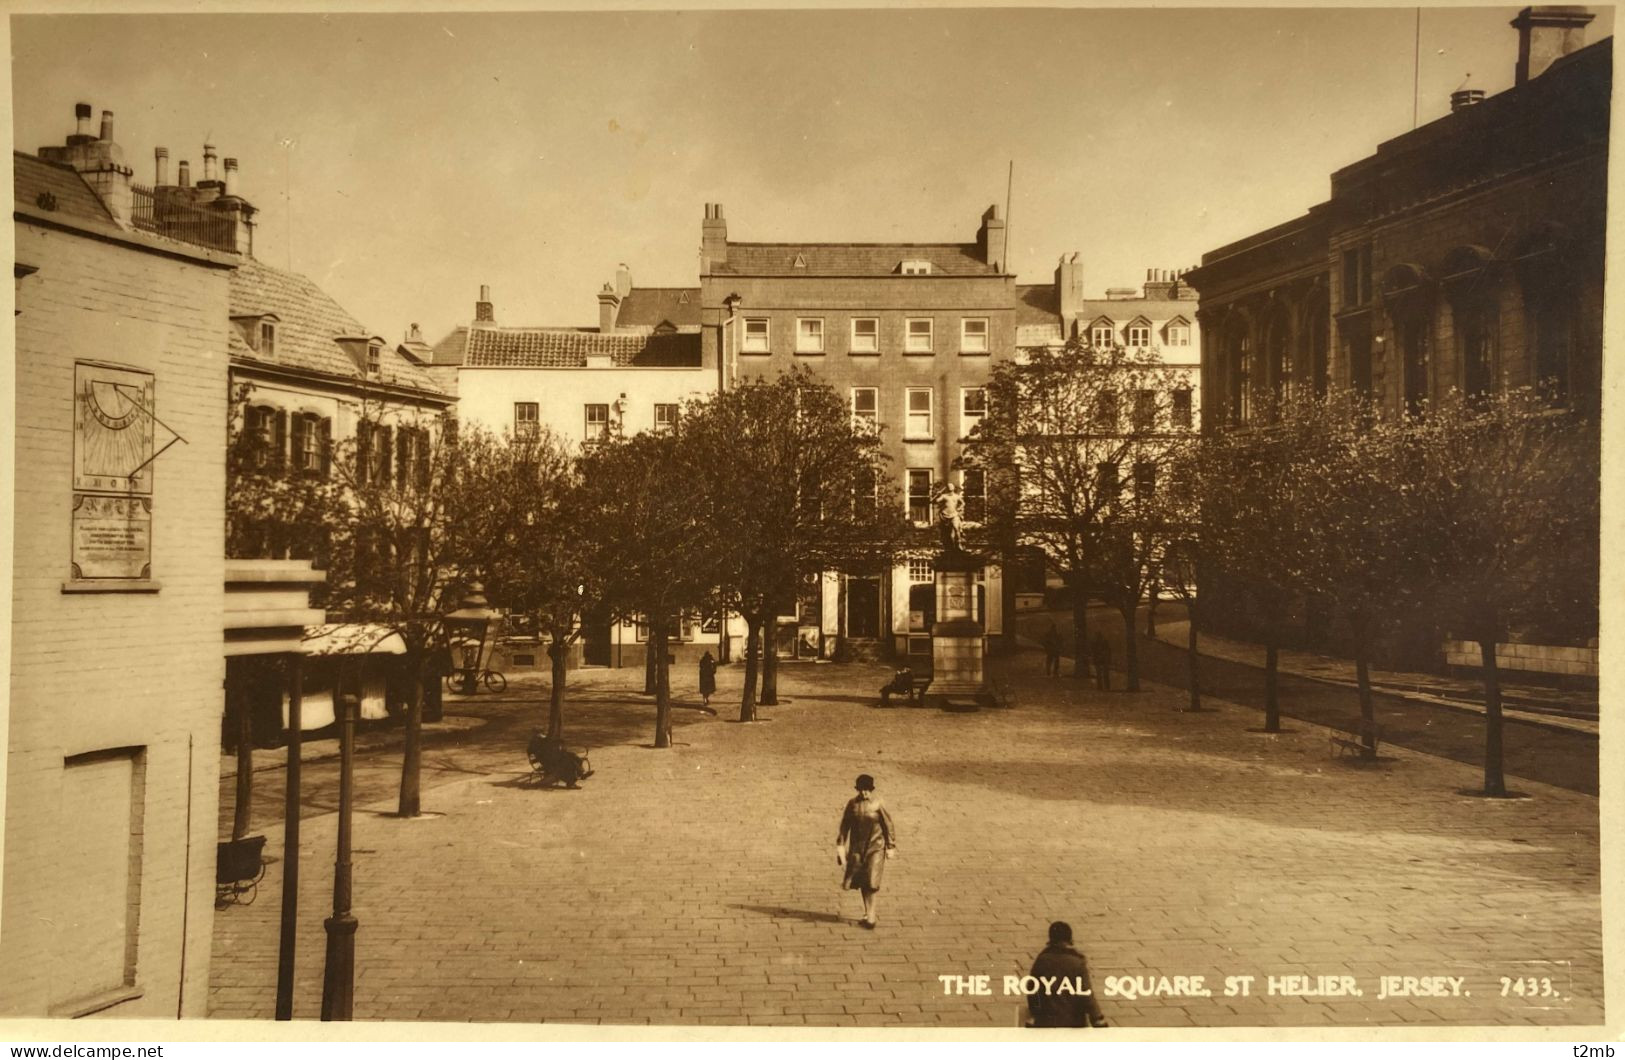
(166,214)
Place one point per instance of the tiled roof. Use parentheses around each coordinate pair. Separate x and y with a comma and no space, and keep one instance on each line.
(34,179)
(851,259)
(649,307)
(568,348)
(308,322)
(453,348)
(1037,303)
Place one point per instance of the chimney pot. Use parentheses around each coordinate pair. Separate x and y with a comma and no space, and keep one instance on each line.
(208,162)
(160,156)
(231,176)
(81,114)
(484,311)
(184,173)
(107,126)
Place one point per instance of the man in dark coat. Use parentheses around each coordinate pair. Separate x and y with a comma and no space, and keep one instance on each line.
(1070,1002)
(1100,649)
(1052,651)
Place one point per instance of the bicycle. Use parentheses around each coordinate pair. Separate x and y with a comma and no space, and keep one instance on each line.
(458,680)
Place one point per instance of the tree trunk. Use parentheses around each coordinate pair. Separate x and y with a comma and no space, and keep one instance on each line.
(243,811)
(649,667)
(1494,777)
(1196,684)
(1080,633)
(1151,612)
(657,642)
(747,698)
(412,759)
(1362,680)
(1131,651)
(555,696)
(770,663)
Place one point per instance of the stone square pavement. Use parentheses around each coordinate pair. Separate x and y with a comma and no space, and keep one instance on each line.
(699,884)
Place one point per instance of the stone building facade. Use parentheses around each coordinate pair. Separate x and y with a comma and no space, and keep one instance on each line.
(909,333)
(118,590)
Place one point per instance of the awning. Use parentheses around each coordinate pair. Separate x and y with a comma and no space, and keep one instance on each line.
(352,638)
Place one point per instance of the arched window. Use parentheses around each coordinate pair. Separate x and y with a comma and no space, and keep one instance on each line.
(1470,285)
(1407,293)
(1548,279)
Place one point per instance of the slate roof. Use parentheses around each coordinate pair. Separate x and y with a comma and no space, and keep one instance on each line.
(1037,303)
(308,322)
(569,347)
(33,178)
(453,347)
(649,307)
(851,259)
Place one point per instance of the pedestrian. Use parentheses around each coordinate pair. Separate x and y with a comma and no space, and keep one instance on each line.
(866,839)
(901,684)
(1100,649)
(1064,996)
(708,678)
(1052,651)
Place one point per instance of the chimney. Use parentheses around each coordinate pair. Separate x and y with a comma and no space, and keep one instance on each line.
(713,239)
(184,175)
(484,312)
(1160,284)
(414,334)
(1069,289)
(231,176)
(990,238)
(208,165)
(609,307)
(99,160)
(160,157)
(1546,34)
(1465,97)
(623,281)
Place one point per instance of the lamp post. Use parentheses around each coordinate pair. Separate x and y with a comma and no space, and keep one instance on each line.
(473,616)
(290,841)
(338,976)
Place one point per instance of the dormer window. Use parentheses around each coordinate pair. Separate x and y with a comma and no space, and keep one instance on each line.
(1102,335)
(268,338)
(375,357)
(915,268)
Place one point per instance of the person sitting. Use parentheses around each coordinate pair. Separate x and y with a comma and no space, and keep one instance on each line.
(901,683)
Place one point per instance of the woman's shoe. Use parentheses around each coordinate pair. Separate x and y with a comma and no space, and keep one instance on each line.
(867,924)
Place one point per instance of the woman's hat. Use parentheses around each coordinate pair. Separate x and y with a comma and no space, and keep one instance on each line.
(865,782)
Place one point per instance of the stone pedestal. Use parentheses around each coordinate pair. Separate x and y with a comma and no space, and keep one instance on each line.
(957,637)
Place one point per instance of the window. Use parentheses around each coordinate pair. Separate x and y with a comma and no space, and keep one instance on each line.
(810,335)
(1106,482)
(755,335)
(268,338)
(527,419)
(1183,408)
(1179,335)
(921,571)
(1477,322)
(311,440)
(918,421)
(972,409)
(865,335)
(1553,320)
(1102,334)
(865,406)
(1356,276)
(411,457)
(918,339)
(597,423)
(1145,410)
(375,451)
(973,335)
(915,268)
(865,492)
(665,418)
(375,357)
(919,495)
(262,433)
(973,484)
(1106,410)
(1139,336)
(1145,479)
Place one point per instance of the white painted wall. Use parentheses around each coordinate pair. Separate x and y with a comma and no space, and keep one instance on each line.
(487,395)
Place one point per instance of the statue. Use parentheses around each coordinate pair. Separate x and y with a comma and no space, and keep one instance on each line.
(950,517)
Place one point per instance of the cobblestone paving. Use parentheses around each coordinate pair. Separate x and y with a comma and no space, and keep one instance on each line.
(699,884)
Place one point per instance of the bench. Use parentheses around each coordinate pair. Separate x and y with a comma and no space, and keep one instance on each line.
(916,691)
(1350,736)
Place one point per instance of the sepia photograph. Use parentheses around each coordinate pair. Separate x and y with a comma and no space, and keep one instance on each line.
(742,521)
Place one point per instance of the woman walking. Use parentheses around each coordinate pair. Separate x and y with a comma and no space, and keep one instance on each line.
(708,678)
(867,838)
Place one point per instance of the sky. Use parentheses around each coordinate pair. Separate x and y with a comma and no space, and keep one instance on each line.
(402,160)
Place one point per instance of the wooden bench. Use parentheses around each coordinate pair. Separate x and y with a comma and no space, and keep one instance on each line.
(1350,736)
